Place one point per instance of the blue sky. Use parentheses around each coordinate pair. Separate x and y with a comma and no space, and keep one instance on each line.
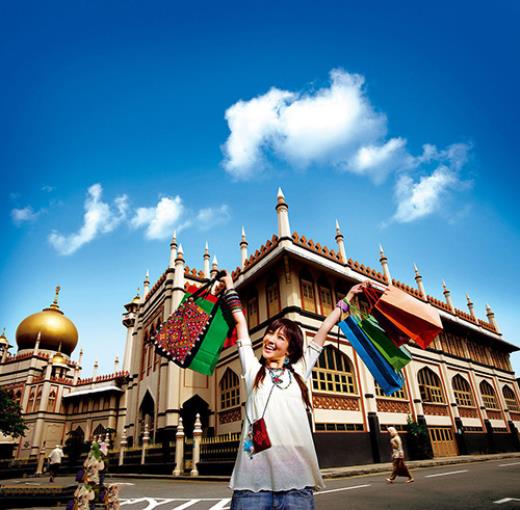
(399,120)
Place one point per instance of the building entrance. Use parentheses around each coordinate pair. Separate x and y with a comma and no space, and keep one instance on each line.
(443,442)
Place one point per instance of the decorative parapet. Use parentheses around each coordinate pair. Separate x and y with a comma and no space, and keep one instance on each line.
(435,409)
(229,416)
(194,273)
(259,254)
(392,406)
(103,378)
(310,245)
(406,288)
(156,286)
(494,415)
(338,403)
(468,412)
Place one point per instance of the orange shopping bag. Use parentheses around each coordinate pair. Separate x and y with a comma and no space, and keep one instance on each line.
(416,319)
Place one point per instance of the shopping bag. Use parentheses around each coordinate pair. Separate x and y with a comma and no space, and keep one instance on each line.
(398,357)
(389,380)
(416,319)
(194,334)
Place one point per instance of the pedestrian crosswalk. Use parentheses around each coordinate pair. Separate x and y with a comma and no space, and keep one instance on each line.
(176,503)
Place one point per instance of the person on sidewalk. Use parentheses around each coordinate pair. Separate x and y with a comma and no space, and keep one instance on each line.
(276,465)
(55,462)
(399,467)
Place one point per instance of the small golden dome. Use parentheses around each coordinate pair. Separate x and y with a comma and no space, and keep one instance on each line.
(51,326)
(59,360)
(3,340)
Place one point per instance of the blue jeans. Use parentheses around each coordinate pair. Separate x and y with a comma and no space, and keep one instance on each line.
(295,499)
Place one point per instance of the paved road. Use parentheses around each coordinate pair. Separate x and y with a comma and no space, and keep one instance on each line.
(481,485)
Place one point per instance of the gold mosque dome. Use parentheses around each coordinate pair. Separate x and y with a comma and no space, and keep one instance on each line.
(52,329)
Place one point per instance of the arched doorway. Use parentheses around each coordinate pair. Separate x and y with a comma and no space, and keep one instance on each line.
(188,412)
(147,417)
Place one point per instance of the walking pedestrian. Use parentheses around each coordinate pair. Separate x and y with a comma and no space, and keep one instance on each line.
(399,467)
(55,462)
(276,465)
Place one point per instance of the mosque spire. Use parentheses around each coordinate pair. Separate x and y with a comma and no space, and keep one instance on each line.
(384,264)
(341,243)
(419,280)
(282,212)
(173,250)
(447,295)
(206,260)
(243,248)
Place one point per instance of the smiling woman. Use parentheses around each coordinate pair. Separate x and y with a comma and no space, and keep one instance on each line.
(276,465)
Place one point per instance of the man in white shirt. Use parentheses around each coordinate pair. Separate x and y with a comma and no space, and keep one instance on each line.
(54,462)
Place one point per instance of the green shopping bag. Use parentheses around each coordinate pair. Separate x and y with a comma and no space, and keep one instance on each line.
(194,334)
(398,357)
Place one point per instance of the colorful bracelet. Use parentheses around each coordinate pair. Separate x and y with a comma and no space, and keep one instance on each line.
(343,306)
(232,300)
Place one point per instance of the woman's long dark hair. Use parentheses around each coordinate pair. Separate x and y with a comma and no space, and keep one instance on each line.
(295,337)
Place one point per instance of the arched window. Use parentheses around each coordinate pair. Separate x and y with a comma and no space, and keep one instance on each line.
(307,291)
(273,297)
(401,394)
(229,390)
(30,403)
(333,373)
(510,398)
(462,391)
(38,398)
(430,386)
(51,402)
(99,432)
(325,297)
(488,395)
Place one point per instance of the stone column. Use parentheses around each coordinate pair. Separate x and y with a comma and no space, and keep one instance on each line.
(146,439)
(197,437)
(179,450)
(41,460)
(122,445)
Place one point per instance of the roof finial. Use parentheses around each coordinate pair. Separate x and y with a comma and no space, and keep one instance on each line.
(447,295)
(282,213)
(55,305)
(206,258)
(243,248)
(384,264)
(419,280)
(341,243)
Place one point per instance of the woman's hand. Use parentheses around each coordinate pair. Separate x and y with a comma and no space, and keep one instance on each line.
(224,282)
(355,290)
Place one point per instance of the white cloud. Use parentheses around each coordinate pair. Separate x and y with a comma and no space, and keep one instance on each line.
(212,216)
(160,220)
(329,126)
(380,160)
(423,197)
(24,215)
(99,218)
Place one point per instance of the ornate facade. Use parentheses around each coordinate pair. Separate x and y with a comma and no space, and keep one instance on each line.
(462,387)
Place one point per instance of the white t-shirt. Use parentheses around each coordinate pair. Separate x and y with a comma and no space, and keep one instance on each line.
(55,456)
(290,462)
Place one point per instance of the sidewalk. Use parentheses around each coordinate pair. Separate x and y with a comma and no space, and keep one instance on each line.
(328,473)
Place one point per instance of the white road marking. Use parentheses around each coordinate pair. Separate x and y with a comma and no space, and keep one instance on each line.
(121,483)
(342,489)
(505,500)
(222,505)
(509,464)
(189,503)
(448,473)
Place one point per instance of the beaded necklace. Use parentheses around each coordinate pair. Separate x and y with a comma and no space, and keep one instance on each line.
(276,377)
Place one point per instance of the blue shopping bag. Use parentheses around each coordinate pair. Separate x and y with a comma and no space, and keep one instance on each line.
(389,380)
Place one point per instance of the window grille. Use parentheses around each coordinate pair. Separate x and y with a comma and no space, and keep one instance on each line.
(462,391)
(333,373)
(229,390)
(430,386)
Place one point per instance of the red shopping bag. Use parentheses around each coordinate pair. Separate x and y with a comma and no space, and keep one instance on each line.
(416,319)
(232,338)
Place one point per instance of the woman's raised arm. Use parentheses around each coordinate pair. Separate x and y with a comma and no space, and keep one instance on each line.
(333,318)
